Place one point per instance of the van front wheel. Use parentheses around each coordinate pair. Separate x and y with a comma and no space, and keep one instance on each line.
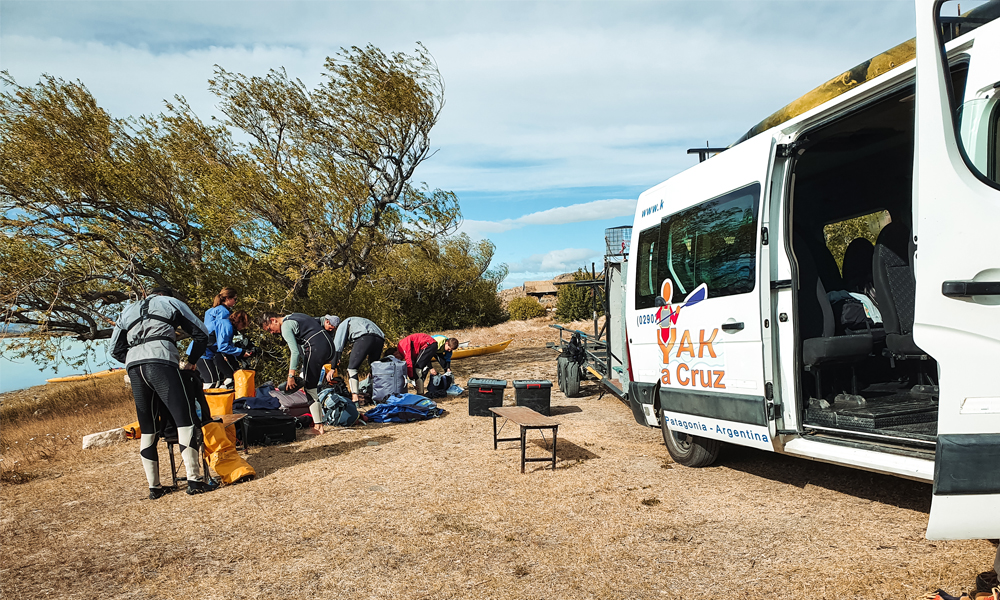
(689,450)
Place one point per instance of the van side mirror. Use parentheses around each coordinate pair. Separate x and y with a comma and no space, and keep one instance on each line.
(659,301)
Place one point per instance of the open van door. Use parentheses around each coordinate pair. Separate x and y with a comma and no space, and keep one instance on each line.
(956,210)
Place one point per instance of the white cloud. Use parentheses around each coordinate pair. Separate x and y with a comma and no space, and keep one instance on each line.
(554,261)
(561,215)
(540,95)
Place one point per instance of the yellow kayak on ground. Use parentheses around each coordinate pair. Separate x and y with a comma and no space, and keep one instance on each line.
(479,350)
(86,376)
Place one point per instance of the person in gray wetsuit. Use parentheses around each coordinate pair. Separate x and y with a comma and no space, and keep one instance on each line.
(145,339)
(310,346)
(366,340)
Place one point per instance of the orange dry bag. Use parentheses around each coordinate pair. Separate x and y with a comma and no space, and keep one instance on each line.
(220,401)
(223,457)
(243,382)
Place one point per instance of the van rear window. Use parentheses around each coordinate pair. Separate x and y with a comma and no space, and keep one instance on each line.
(714,242)
(647,283)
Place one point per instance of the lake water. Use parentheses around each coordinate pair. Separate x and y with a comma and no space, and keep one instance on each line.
(24,373)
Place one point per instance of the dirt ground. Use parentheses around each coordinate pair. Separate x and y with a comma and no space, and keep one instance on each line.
(430,510)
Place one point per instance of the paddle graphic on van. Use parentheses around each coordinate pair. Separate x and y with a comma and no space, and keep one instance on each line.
(698,365)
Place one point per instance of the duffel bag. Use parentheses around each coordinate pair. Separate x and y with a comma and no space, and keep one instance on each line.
(388,378)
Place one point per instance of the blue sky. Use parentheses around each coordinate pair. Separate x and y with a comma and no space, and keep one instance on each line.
(558,114)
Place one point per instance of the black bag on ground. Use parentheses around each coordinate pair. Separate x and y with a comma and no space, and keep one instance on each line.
(264,427)
(568,365)
(339,386)
(437,385)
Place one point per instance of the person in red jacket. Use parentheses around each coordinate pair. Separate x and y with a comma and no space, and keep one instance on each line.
(418,350)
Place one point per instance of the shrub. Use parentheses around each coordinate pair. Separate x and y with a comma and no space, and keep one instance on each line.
(522,309)
(576,302)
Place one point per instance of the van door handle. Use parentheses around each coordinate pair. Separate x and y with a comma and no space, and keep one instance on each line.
(965,289)
(733,326)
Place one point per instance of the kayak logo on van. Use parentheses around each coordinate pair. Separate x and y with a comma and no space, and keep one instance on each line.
(688,361)
(652,209)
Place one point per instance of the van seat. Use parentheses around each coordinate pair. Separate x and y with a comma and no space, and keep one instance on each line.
(896,289)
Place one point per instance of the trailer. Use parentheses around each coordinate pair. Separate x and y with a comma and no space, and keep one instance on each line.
(606,348)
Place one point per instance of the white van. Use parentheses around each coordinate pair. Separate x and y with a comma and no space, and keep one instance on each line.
(829,286)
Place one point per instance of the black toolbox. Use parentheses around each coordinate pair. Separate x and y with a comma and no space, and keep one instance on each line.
(485,394)
(533,393)
(265,427)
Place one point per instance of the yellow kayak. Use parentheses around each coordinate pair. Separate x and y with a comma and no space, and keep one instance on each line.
(86,376)
(479,350)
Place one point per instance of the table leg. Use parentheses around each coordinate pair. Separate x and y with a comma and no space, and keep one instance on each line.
(523,436)
(494,431)
(554,436)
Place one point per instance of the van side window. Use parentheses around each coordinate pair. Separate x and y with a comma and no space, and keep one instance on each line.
(646,284)
(714,242)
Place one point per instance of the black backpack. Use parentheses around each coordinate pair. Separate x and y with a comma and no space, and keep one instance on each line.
(574,350)
(437,385)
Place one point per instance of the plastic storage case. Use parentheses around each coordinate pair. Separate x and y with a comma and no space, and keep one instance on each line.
(533,393)
(485,394)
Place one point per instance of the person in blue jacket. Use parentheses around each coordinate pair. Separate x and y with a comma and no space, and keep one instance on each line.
(220,360)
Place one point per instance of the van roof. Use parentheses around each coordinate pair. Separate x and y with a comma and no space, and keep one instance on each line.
(846,81)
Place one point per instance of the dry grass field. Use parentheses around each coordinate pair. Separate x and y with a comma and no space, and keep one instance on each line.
(430,510)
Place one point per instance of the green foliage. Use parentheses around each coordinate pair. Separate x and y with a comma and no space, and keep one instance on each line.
(303,199)
(839,235)
(440,285)
(524,308)
(576,302)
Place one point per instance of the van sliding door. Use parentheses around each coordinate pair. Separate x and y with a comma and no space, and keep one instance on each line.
(710,329)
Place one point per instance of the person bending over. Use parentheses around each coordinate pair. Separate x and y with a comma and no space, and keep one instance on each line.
(329,322)
(418,350)
(366,341)
(310,346)
(145,339)
(216,367)
(446,346)
(228,354)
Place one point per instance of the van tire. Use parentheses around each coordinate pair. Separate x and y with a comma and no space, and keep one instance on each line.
(689,450)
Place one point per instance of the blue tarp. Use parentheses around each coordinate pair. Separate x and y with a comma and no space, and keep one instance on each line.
(404,408)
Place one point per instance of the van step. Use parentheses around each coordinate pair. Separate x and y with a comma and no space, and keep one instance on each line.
(878,413)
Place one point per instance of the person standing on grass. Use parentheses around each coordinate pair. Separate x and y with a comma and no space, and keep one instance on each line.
(366,340)
(418,350)
(309,346)
(145,339)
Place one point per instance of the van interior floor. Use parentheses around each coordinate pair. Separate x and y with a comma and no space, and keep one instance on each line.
(884,409)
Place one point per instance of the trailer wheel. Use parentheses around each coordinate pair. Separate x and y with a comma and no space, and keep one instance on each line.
(689,450)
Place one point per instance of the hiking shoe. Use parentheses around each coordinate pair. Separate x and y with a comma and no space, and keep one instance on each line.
(159,492)
(986,581)
(200,487)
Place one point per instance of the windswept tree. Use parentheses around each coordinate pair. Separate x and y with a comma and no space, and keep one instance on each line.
(292,184)
(325,178)
(93,211)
